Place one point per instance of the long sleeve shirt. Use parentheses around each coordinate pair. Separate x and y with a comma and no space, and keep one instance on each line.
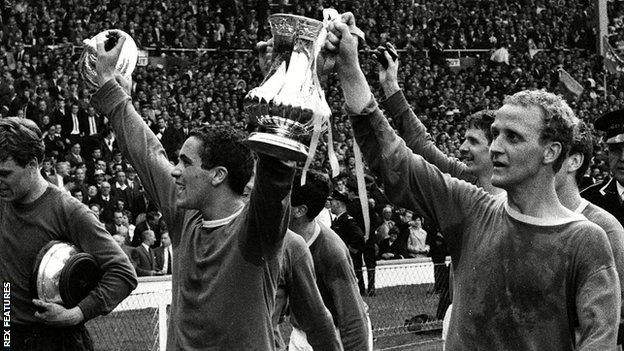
(417,139)
(56,215)
(225,272)
(521,282)
(298,292)
(338,286)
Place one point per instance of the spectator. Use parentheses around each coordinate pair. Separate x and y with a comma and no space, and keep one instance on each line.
(164,254)
(416,246)
(390,248)
(106,202)
(143,256)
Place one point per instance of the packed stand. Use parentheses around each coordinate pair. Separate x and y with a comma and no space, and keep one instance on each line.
(181,91)
(448,24)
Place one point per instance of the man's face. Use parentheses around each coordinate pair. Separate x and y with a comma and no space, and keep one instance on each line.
(96,210)
(335,206)
(616,161)
(92,190)
(117,218)
(475,152)
(121,177)
(97,154)
(63,169)
(15,181)
(193,182)
(387,213)
(150,238)
(105,188)
(78,195)
(165,239)
(80,174)
(516,151)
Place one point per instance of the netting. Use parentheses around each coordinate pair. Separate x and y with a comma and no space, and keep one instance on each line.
(406,311)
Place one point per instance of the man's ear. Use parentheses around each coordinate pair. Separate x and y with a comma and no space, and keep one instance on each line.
(299,211)
(552,151)
(221,174)
(575,161)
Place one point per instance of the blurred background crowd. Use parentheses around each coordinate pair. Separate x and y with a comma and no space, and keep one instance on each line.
(182,87)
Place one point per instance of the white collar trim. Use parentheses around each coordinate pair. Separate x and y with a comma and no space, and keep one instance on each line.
(223,221)
(603,190)
(620,188)
(317,231)
(582,206)
(543,222)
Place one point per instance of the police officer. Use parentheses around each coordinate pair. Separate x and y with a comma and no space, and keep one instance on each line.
(609,194)
(348,230)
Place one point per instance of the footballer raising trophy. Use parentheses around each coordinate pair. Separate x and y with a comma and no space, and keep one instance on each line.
(290,104)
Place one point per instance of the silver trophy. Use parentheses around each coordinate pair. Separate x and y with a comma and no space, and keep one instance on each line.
(290,102)
(63,274)
(125,64)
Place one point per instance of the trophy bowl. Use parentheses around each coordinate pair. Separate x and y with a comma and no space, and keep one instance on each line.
(63,275)
(125,64)
(290,102)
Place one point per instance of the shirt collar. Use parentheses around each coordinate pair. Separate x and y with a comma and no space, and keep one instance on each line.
(539,221)
(620,189)
(317,231)
(223,221)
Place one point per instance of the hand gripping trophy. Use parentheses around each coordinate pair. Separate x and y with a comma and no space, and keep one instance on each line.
(289,106)
(125,64)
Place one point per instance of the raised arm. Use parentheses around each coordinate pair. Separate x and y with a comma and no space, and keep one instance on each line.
(269,206)
(411,128)
(140,146)
(306,304)
(136,141)
(409,181)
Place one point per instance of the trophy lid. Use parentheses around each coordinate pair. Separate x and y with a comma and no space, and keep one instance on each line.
(64,275)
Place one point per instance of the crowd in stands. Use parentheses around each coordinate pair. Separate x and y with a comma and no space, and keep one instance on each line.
(411,24)
(182,90)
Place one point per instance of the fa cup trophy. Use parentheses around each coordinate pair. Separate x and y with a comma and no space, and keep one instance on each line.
(125,64)
(290,104)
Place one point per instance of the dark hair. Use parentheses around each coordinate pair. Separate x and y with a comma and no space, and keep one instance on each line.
(582,143)
(313,194)
(223,146)
(21,140)
(482,120)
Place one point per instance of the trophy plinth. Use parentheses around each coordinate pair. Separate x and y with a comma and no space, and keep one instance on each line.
(289,102)
(277,146)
